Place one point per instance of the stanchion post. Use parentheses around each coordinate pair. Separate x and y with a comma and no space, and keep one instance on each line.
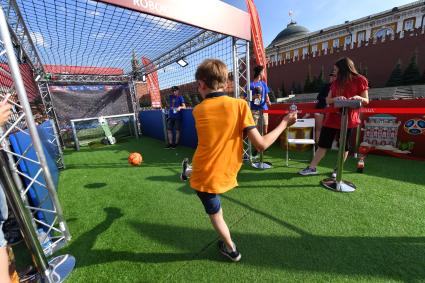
(337,184)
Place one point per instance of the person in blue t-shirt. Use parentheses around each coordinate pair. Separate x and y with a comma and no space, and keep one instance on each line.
(260,98)
(174,121)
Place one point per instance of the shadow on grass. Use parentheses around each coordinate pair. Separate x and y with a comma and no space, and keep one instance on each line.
(82,247)
(399,258)
(396,258)
(95,185)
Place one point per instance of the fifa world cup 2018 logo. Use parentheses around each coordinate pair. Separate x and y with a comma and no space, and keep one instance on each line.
(415,126)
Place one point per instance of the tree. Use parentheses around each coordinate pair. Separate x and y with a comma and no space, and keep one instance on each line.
(307,83)
(396,77)
(293,88)
(282,91)
(187,100)
(272,96)
(298,89)
(195,99)
(318,82)
(411,75)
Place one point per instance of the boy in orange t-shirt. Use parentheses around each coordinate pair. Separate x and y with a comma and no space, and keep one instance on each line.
(220,123)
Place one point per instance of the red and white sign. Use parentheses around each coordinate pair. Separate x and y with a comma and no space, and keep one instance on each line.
(206,14)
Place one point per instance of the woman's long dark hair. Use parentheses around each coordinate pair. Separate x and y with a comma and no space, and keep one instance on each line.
(346,71)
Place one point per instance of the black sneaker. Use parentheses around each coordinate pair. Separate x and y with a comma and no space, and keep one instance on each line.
(183,176)
(169,146)
(234,255)
(173,146)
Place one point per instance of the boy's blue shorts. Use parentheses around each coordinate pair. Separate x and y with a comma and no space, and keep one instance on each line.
(211,202)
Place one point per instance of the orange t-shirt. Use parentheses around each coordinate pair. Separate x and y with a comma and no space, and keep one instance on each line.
(220,121)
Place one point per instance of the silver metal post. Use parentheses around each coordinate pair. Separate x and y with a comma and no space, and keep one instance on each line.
(24,220)
(55,270)
(22,95)
(338,185)
(74,133)
(235,69)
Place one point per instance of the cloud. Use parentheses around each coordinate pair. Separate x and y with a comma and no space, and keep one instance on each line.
(94,13)
(38,39)
(102,35)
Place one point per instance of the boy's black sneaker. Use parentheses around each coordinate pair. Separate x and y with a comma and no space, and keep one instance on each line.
(183,176)
(173,146)
(234,255)
(168,146)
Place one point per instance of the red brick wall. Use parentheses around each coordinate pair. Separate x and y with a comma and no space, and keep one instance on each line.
(379,59)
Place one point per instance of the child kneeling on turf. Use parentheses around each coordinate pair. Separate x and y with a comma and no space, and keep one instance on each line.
(221,122)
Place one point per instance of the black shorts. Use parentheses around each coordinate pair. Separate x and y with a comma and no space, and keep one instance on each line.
(211,202)
(327,136)
(174,124)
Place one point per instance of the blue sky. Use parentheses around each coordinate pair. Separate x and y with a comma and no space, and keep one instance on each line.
(314,15)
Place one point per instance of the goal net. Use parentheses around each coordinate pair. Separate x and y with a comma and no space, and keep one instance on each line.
(103,129)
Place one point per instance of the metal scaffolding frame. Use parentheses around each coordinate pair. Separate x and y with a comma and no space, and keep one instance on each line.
(23,121)
(194,44)
(241,81)
(21,36)
(50,111)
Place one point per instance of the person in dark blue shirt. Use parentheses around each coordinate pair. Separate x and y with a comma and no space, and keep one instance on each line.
(260,98)
(174,121)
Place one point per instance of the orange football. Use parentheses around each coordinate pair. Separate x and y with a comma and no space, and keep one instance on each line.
(135,159)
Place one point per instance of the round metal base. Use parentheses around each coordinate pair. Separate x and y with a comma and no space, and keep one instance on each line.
(262,165)
(60,267)
(342,187)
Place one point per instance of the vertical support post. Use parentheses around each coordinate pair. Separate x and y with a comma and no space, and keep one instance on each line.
(23,98)
(43,88)
(342,144)
(135,105)
(235,69)
(337,184)
(24,220)
(74,133)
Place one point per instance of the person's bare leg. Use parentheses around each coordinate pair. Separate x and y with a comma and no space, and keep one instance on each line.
(221,228)
(320,153)
(4,266)
(318,121)
(170,137)
(177,137)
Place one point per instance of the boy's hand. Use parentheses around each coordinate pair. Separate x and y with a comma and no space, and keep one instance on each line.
(4,113)
(290,118)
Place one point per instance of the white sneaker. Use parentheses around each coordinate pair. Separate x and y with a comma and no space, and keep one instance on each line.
(308,171)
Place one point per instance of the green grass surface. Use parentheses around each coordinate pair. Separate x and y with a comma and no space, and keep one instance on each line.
(141,224)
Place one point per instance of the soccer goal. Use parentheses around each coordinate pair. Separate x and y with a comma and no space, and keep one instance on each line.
(103,129)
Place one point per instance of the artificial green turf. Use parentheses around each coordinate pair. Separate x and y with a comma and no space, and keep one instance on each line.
(141,224)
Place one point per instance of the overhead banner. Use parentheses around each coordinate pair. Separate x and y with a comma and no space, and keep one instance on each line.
(216,16)
(257,36)
(153,83)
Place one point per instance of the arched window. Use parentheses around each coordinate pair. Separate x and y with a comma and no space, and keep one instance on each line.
(383,32)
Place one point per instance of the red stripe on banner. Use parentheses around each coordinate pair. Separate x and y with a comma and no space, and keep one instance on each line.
(420,110)
(153,84)
(257,36)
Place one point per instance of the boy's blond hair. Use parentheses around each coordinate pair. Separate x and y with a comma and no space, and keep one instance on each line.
(213,73)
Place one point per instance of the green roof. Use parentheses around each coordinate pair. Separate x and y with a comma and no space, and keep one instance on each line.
(291,30)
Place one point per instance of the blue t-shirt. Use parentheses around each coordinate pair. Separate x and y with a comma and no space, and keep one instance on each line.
(259,92)
(174,102)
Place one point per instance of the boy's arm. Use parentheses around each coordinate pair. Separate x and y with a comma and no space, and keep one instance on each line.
(261,143)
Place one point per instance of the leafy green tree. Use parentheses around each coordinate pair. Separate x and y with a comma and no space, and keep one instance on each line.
(396,77)
(411,75)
